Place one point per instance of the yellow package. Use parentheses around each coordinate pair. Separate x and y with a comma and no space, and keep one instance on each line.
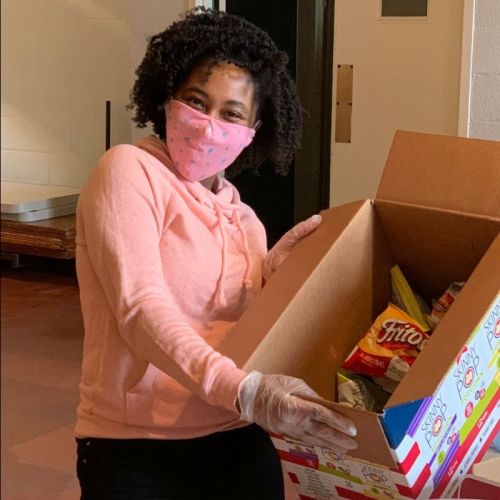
(405,298)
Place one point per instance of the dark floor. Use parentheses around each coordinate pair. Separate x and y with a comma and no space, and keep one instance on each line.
(42,334)
(41,354)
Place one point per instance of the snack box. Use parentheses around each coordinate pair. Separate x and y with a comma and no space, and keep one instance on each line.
(437,215)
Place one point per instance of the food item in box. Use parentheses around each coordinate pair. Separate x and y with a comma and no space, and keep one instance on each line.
(441,305)
(389,347)
(360,392)
(406,299)
(386,384)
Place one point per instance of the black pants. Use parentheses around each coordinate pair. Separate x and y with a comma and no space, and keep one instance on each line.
(240,464)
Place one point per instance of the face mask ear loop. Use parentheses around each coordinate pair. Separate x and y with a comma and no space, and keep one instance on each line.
(247,280)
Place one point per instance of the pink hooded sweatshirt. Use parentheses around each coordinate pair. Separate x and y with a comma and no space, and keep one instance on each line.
(165,268)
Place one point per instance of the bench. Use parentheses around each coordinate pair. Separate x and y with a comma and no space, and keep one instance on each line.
(45,238)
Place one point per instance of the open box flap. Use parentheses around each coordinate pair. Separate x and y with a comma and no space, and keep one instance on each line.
(372,442)
(289,328)
(265,311)
(459,323)
(397,419)
(443,172)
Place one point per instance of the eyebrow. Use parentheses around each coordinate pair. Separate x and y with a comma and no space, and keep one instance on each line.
(231,102)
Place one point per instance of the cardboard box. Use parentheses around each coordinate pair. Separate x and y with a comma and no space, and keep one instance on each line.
(437,215)
(478,488)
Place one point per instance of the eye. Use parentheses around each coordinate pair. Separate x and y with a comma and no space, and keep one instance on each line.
(195,103)
(232,116)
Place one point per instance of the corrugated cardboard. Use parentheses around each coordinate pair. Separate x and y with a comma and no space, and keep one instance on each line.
(437,215)
(443,172)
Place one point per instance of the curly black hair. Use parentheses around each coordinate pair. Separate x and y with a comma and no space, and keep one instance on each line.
(207,35)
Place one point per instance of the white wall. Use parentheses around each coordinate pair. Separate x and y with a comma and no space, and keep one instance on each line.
(484,118)
(148,18)
(61,60)
(406,75)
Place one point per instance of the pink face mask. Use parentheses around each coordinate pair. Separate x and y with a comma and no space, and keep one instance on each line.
(201,146)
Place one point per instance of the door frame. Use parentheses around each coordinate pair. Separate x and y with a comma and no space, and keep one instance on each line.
(315,24)
(466,68)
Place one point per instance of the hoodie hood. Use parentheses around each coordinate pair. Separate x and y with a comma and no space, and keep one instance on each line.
(222,203)
(224,194)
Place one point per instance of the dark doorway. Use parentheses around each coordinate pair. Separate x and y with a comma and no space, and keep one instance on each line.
(304,30)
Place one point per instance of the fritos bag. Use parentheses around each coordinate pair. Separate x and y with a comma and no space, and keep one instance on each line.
(389,347)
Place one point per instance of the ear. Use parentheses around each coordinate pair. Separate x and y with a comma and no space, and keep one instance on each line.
(257,125)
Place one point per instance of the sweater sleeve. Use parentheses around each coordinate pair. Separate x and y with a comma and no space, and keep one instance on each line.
(121,225)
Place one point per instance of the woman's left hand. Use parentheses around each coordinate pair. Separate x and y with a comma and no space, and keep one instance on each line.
(283,247)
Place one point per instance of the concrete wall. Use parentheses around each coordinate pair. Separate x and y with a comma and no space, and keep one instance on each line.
(149,18)
(61,60)
(484,118)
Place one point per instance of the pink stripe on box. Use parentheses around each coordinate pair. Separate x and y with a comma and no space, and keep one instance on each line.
(413,492)
(410,459)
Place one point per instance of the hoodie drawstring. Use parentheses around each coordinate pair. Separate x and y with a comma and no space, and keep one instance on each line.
(247,281)
(221,296)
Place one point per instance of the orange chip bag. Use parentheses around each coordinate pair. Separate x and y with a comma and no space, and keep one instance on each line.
(389,347)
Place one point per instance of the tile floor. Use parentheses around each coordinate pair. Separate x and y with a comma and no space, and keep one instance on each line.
(41,342)
(41,353)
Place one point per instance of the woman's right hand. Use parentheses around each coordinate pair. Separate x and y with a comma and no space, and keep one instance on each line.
(274,403)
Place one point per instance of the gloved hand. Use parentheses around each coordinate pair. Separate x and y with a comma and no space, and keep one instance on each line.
(273,402)
(283,247)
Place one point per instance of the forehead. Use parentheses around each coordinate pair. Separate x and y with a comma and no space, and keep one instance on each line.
(223,78)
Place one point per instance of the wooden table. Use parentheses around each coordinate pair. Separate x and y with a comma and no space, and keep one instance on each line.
(45,238)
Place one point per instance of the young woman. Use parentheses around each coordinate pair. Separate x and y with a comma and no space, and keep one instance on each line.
(168,257)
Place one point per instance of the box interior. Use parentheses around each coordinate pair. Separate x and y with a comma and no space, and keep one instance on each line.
(351,284)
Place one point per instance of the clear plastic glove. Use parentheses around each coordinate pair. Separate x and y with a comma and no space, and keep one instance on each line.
(273,402)
(283,247)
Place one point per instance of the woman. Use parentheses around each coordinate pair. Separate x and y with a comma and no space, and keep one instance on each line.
(168,258)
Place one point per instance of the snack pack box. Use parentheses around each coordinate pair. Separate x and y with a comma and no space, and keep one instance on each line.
(448,433)
(437,215)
